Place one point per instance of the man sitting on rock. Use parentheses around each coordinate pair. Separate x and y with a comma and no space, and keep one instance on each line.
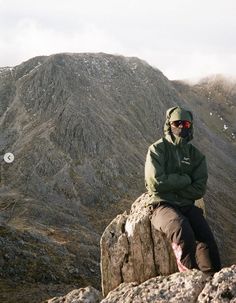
(176,176)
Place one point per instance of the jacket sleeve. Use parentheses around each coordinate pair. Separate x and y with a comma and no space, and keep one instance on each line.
(156,180)
(197,188)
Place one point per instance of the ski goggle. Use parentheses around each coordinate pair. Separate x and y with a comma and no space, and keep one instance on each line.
(184,123)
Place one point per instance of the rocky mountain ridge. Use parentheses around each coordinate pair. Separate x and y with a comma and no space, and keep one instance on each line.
(79,126)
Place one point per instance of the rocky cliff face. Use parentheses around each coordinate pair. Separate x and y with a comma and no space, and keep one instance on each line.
(79,126)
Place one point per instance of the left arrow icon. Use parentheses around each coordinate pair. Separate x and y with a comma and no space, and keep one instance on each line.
(8,157)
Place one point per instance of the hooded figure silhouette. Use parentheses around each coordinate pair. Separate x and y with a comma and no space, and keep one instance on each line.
(176,176)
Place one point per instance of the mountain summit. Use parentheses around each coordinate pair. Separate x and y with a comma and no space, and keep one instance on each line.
(79,126)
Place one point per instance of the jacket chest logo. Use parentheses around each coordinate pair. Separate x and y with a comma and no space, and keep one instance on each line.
(186,160)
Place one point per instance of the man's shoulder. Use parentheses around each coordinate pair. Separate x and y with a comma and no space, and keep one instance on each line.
(158,145)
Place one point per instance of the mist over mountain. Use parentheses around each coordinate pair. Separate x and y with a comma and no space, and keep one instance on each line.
(79,126)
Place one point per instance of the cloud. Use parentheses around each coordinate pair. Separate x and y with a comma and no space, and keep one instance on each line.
(180,37)
(31,39)
(190,64)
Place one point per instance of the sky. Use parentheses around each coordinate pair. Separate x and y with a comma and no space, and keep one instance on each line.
(184,39)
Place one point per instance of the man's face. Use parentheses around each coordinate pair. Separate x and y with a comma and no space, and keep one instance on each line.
(180,128)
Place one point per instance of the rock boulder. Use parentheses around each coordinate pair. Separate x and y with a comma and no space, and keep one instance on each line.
(221,288)
(191,286)
(132,250)
(177,288)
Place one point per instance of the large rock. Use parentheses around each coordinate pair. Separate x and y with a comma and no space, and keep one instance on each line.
(191,286)
(132,250)
(222,288)
(176,288)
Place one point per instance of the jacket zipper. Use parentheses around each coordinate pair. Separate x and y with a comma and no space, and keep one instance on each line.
(178,158)
(179,164)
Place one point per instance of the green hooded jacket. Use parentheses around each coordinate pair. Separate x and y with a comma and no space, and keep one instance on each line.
(175,170)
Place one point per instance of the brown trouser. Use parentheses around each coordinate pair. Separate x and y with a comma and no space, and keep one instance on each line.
(191,237)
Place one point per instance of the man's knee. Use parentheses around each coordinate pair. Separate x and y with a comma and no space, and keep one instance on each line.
(163,216)
(173,224)
(179,231)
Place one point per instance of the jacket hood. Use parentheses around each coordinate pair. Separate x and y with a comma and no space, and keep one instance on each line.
(173,114)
